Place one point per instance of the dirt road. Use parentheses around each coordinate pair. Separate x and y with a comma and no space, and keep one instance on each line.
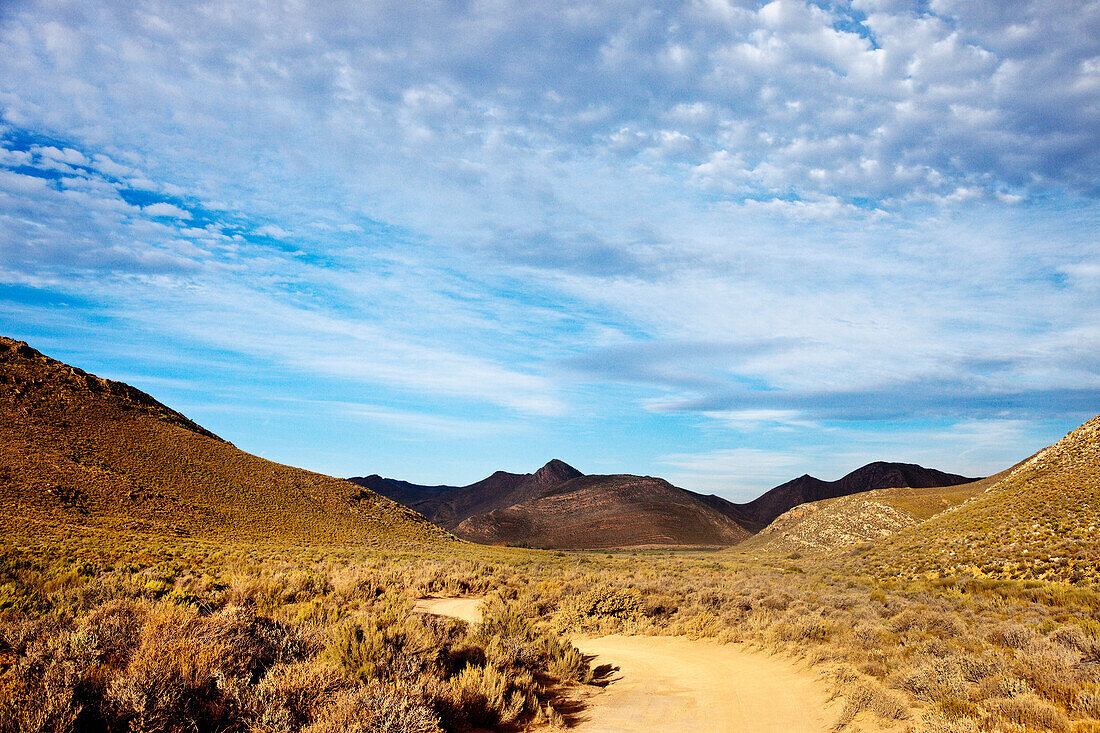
(679,684)
(673,683)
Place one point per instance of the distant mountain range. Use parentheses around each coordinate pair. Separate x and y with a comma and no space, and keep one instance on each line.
(75,448)
(559,507)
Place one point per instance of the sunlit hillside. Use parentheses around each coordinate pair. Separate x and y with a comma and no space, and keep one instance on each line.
(80,451)
(1041,520)
(821,527)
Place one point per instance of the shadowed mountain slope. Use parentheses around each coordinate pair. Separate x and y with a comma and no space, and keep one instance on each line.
(1038,520)
(78,450)
(605,512)
(447,506)
(760,512)
(559,507)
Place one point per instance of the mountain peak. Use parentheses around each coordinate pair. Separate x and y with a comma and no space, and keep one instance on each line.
(555,472)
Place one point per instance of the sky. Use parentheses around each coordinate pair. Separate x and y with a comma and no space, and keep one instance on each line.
(725,243)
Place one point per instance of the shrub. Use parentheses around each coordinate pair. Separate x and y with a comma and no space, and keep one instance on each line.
(618,603)
(1011,636)
(1087,703)
(1029,710)
(489,696)
(377,708)
(194,671)
(865,694)
(290,696)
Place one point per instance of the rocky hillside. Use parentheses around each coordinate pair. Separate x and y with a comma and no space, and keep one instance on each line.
(1038,520)
(78,450)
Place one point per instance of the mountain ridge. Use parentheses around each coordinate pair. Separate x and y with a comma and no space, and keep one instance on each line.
(534,509)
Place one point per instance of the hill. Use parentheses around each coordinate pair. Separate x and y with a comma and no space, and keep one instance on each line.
(1040,520)
(80,451)
(821,527)
(559,507)
(616,511)
(760,512)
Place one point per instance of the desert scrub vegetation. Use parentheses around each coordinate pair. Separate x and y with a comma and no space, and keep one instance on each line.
(156,645)
(335,644)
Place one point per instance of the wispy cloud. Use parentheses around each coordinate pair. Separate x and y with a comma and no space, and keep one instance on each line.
(709,217)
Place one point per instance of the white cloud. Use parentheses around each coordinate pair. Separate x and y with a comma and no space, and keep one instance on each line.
(67,155)
(276,232)
(499,187)
(167,210)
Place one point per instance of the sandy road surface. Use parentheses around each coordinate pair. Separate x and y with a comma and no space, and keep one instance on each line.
(672,683)
(677,684)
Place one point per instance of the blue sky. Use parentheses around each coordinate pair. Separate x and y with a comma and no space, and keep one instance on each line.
(725,243)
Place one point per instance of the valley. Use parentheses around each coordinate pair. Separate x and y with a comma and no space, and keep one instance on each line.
(154,577)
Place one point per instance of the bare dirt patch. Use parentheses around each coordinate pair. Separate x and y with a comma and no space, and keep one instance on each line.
(467,609)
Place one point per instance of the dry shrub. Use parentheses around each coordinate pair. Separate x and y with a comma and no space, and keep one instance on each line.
(1086,726)
(510,639)
(699,625)
(1049,669)
(377,708)
(933,622)
(1029,710)
(863,694)
(1003,685)
(1072,637)
(58,675)
(620,603)
(777,601)
(979,667)
(487,696)
(1087,703)
(1011,636)
(375,648)
(42,689)
(813,628)
(940,721)
(934,681)
(192,671)
(290,695)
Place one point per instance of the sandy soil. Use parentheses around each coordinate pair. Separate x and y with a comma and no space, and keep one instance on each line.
(467,609)
(678,684)
(674,683)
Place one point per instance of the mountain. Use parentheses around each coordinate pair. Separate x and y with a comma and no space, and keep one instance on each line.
(559,507)
(597,512)
(760,512)
(448,506)
(80,451)
(1040,520)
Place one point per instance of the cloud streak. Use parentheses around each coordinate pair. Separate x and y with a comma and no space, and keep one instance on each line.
(694,217)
